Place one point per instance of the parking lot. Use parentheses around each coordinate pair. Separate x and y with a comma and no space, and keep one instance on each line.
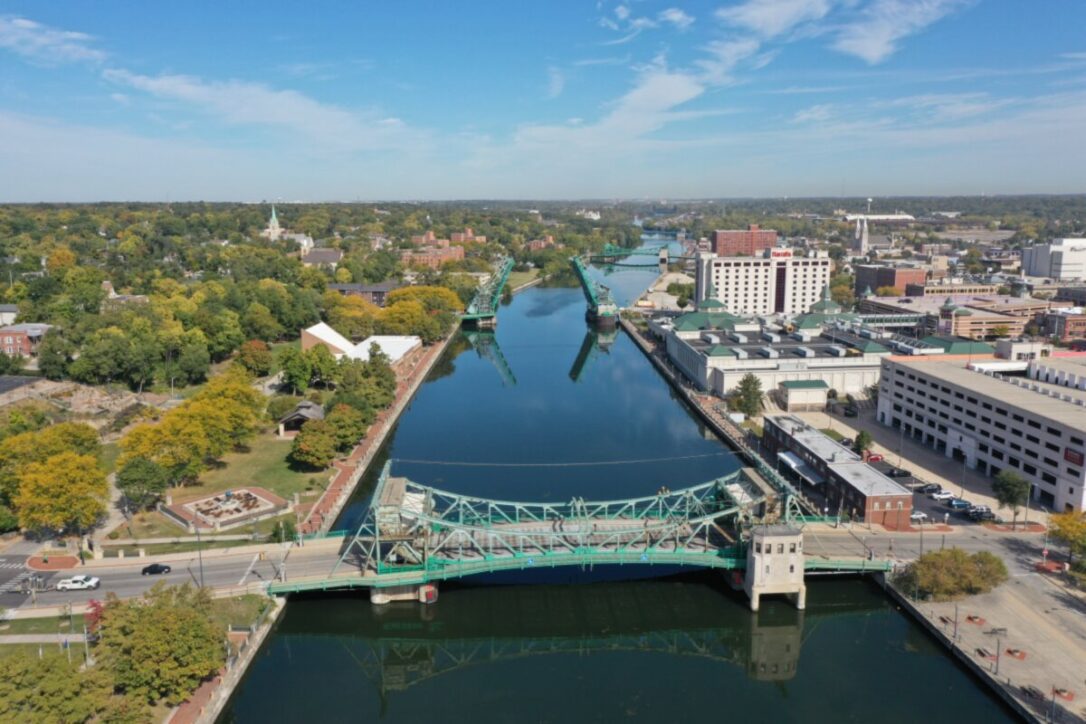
(926,466)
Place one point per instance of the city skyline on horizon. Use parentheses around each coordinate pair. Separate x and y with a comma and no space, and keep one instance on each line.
(692,101)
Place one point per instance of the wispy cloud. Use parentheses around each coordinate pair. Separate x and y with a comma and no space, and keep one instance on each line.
(44,45)
(616,60)
(242,103)
(875,34)
(814,114)
(770,18)
(723,57)
(676,17)
(556,82)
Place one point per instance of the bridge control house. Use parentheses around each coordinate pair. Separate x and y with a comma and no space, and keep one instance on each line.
(835,474)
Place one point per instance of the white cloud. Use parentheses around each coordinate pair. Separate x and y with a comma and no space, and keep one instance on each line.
(120,98)
(622,12)
(556,82)
(676,17)
(770,18)
(45,45)
(874,35)
(724,56)
(814,114)
(242,103)
(633,28)
(952,106)
(618,60)
(1073,56)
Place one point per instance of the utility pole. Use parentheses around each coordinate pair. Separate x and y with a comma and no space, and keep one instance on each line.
(199,551)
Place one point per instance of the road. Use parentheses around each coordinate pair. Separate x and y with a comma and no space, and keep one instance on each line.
(126,580)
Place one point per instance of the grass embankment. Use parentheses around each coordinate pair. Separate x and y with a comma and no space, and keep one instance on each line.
(831,433)
(520,278)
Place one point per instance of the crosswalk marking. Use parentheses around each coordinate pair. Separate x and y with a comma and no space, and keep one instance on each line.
(6,564)
(14,583)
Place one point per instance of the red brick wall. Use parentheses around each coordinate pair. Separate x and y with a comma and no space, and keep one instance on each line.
(749,242)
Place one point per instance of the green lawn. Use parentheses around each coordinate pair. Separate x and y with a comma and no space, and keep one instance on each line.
(750,424)
(831,433)
(47,650)
(51,625)
(152,524)
(264,465)
(518,278)
(240,610)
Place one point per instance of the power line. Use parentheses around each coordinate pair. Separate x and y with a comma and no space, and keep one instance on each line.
(588,463)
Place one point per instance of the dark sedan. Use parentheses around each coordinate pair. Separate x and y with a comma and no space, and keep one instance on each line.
(155,569)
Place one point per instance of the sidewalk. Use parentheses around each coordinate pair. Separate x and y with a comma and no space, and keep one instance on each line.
(57,638)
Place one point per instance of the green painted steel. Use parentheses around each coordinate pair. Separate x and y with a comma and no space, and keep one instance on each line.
(598,296)
(488,296)
(485,344)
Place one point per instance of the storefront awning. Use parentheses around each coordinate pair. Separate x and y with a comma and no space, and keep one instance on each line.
(800,468)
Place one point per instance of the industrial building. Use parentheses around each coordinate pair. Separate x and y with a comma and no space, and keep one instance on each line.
(1063,259)
(992,417)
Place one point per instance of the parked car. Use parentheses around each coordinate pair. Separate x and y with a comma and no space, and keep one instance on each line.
(899,473)
(78,583)
(942,495)
(155,569)
(847,442)
(959,504)
(929,488)
(918,516)
(876,458)
(851,412)
(980,509)
(982,516)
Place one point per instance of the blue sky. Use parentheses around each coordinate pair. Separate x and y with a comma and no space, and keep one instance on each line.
(526,99)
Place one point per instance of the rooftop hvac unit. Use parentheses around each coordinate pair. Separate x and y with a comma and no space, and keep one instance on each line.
(770,352)
(836,350)
(805,352)
(736,337)
(771,337)
(740,353)
(801,335)
(711,338)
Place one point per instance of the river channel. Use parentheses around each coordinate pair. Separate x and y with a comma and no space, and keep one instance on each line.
(546,410)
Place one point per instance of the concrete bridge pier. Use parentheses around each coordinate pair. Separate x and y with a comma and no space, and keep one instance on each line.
(775,565)
(425,593)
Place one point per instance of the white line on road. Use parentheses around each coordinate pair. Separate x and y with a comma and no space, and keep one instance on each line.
(249,570)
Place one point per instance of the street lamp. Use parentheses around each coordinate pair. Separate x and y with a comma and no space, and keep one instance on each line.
(199,551)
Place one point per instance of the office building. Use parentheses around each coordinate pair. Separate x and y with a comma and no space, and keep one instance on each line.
(1061,260)
(876,276)
(981,415)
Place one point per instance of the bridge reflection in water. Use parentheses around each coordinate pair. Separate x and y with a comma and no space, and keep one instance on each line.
(401,646)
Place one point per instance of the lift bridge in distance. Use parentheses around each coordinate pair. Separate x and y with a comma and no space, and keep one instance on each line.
(483,309)
(413,535)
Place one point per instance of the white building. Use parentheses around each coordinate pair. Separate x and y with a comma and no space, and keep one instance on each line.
(1063,259)
(1034,425)
(395,347)
(779,282)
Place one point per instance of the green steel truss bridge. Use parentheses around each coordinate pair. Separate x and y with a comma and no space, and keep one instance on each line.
(414,534)
(484,307)
(601,307)
(617,256)
(485,344)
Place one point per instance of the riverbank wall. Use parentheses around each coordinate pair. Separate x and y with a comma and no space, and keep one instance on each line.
(326,510)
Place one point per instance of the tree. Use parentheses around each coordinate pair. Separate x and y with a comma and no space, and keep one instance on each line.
(749,395)
(54,355)
(10,364)
(1012,491)
(18,451)
(163,645)
(51,689)
(348,425)
(142,481)
(873,391)
(1001,330)
(951,573)
(66,492)
(322,365)
(194,358)
(259,322)
(296,368)
(1070,528)
(888,292)
(315,445)
(285,531)
(256,357)
(862,442)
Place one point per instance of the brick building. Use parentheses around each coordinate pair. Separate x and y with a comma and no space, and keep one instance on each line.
(846,484)
(22,339)
(432,256)
(874,276)
(372,293)
(738,242)
(1065,324)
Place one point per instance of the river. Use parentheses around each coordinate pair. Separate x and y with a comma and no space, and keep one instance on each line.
(565,415)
